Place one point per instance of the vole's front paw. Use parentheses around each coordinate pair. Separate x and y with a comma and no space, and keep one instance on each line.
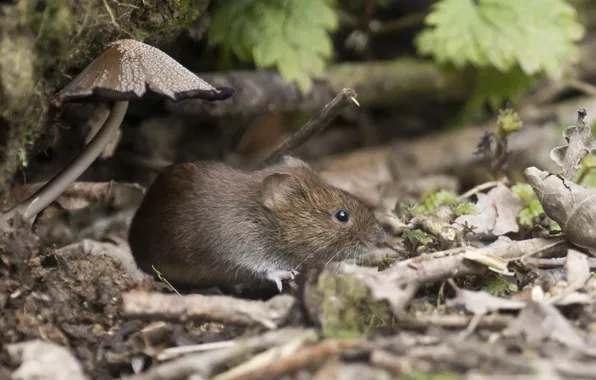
(281,275)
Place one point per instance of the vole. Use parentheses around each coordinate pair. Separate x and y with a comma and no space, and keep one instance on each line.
(207,224)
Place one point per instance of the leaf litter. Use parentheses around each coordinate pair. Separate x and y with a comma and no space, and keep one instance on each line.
(85,306)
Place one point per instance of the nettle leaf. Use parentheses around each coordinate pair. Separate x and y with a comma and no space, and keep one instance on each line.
(539,35)
(494,86)
(289,35)
(510,37)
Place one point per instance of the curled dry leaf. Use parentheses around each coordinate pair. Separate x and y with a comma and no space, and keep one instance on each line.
(580,142)
(497,212)
(572,206)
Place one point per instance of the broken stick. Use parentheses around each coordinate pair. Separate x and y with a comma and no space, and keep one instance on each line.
(270,314)
(315,125)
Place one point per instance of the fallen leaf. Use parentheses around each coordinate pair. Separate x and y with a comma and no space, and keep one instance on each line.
(572,206)
(497,212)
(580,142)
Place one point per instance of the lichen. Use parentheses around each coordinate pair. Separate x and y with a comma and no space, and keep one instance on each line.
(346,308)
(45,43)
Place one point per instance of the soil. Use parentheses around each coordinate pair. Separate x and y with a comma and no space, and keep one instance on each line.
(74,301)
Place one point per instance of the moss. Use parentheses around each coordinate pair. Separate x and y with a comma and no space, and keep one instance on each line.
(46,43)
(346,308)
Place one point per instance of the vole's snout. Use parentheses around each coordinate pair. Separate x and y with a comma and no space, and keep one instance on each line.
(374,238)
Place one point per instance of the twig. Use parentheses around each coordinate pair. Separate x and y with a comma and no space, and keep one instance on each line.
(455,321)
(401,23)
(138,304)
(302,359)
(111,13)
(268,339)
(479,188)
(584,87)
(270,356)
(165,280)
(554,263)
(174,352)
(315,125)
(537,250)
(205,363)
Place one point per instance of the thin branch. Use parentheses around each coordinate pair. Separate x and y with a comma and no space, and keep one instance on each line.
(272,313)
(315,125)
(584,87)
(408,21)
(304,358)
(479,188)
(204,364)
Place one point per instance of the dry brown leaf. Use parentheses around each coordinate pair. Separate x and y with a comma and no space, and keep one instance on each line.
(580,142)
(572,206)
(497,212)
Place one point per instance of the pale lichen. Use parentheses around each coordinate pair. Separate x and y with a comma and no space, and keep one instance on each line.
(345,308)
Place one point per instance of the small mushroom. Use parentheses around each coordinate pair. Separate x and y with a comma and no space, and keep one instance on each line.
(121,74)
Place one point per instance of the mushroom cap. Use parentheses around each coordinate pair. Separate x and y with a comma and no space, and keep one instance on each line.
(127,67)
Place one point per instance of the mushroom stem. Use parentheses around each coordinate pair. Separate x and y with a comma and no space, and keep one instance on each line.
(55,186)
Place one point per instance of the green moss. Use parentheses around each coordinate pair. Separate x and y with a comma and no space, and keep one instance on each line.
(497,285)
(346,308)
(46,43)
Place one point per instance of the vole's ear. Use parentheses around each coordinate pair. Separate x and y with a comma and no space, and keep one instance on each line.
(275,187)
(295,163)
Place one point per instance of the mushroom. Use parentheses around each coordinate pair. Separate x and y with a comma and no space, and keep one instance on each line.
(121,74)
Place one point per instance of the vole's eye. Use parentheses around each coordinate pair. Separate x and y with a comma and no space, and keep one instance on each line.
(342,216)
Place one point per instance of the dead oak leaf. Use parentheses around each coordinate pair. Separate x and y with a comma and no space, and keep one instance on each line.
(580,142)
(497,212)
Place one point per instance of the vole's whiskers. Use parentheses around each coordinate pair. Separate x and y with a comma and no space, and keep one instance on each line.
(310,255)
(333,257)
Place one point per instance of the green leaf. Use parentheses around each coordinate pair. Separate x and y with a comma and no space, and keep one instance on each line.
(539,36)
(418,237)
(289,35)
(495,87)
(524,191)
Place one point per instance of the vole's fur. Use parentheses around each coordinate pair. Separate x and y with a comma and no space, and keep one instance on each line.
(207,224)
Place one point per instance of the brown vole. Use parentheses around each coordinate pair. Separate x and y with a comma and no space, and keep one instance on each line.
(207,224)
